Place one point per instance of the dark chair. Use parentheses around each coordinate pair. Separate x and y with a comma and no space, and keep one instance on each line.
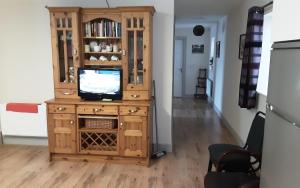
(233,158)
(230,180)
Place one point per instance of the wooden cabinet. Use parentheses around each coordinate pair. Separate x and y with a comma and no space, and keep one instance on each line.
(137,51)
(62,133)
(101,29)
(66,93)
(98,141)
(61,108)
(101,38)
(65,50)
(133,136)
(133,110)
(97,109)
(136,95)
(75,32)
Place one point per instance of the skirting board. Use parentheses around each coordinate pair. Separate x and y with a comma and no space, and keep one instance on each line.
(210,101)
(20,140)
(162,147)
(229,127)
(1,138)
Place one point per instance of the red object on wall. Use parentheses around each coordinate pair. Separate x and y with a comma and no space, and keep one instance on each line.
(22,107)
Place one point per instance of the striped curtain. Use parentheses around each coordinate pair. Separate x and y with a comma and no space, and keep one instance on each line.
(251,58)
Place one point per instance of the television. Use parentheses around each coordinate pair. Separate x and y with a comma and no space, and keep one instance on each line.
(98,84)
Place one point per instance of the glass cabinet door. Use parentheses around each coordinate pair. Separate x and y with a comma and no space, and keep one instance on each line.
(136,61)
(65,48)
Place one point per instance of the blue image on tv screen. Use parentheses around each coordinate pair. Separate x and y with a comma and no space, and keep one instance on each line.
(100,81)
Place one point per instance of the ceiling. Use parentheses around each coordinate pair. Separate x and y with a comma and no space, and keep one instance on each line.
(195,8)
(206,21)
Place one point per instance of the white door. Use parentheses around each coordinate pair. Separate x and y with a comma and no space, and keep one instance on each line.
(211,72)
(178,68)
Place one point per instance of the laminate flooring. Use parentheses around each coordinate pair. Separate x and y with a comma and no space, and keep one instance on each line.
(196,126)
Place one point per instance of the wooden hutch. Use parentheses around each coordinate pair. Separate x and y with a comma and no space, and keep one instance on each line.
(70,132)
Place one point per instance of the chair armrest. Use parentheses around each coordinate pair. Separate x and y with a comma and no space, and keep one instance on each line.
(252,184)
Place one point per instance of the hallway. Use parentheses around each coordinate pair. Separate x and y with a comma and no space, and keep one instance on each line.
(196,126)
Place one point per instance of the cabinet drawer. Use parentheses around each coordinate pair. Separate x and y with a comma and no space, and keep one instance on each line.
(136,95)
(133,110)
(66,93)
(61,108)
(62,133)
(97,109)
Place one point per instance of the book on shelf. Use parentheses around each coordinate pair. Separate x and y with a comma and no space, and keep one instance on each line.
(103,28)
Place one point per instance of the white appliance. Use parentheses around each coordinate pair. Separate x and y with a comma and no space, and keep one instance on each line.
(24,124)
(281,150)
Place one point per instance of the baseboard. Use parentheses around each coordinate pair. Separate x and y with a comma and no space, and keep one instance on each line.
(162,147)
(1,138)
(210,101)
(237,138)
(22,140)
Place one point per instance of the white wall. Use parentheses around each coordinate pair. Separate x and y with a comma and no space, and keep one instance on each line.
(240,119)
(285,18)
(25,52)
(194,61)
(263,79)
(219,64)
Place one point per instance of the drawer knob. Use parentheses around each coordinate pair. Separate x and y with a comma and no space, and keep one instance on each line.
(135,96)
(98,110)
(61,108)
(68,93)
(133,111)
(71,122)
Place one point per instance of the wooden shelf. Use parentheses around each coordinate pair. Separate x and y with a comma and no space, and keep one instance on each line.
(98,130)
(113,131)
(108,53)
(99,38)
(103,63)
(64,29)
(97,117)
(96,149)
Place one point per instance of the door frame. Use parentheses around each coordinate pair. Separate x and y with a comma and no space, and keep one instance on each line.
(213,79)
(184,39)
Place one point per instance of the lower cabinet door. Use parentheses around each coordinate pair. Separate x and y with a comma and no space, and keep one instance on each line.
(62,133)
(133,136)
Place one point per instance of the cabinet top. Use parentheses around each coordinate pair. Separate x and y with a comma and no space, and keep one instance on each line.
(114,103)
(150,9)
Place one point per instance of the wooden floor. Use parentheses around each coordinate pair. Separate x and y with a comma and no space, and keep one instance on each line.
(195,127)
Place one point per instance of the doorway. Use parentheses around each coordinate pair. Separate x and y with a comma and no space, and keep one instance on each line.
(179,67)
(211,70)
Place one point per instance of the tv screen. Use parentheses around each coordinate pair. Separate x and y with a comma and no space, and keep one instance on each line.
(99,83)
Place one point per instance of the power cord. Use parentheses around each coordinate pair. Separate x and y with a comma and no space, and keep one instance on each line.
(107,4)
